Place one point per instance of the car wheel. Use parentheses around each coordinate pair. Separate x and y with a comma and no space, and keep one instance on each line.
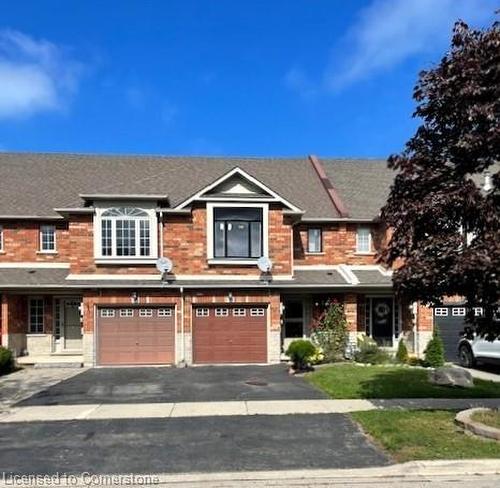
(466,357)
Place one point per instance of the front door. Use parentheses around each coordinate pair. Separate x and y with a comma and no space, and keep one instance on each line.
(382,320)
(293,321)
(72,325)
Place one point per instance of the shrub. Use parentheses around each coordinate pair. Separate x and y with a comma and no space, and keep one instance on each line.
(318,356)
(329,332)
(300,352)
(434,352)
(369,352)
(402,354)
(6,360)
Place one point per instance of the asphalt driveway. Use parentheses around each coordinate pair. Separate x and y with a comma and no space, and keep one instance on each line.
(164,385)
(212,444)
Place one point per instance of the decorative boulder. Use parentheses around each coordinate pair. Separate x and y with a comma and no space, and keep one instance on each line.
(446,376)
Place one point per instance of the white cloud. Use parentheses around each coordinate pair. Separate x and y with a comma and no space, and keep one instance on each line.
(388,32)
(35,75)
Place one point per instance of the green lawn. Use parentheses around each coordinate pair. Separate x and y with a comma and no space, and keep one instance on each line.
(352,381)
(413,435)
(491,418)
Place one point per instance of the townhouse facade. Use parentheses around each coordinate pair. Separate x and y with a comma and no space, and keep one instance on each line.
(138,260)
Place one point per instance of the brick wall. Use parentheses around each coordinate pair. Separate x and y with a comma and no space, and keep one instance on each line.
(22,242)
(185,242)
(339,245)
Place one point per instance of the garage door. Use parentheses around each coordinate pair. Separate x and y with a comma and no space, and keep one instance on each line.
(134,336)
(230,334)
(451,322)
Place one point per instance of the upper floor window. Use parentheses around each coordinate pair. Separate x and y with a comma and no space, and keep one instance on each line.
(363,240)
(238,232)
(47,238)
(314,243)
(126,232)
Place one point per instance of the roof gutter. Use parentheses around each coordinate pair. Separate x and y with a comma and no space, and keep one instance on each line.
(327,185)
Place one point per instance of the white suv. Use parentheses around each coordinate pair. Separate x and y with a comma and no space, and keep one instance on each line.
(473,348)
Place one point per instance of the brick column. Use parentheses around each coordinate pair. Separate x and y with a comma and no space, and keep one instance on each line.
(351,311)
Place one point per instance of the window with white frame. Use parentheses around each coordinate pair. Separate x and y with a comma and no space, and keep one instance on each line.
(314,239)
(47,238)
(221,312)
(36,311)
(202,312)
(441,312)
(164,312)
(126,232)
(1,238)
(363,240)
(478,311)
(257,312)
(239,312)
(146,312)
(126,312)
(107,312)
(458,312)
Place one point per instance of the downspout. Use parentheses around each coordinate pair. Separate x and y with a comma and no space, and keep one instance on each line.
(183,343)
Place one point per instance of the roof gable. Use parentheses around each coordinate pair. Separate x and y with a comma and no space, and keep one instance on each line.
(238,180)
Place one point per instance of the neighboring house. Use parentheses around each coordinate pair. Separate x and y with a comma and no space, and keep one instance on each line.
(80,236)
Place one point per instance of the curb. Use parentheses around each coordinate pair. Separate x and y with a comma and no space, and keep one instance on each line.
(464,419)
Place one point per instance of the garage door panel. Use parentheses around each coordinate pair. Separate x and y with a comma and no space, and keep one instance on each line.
(139,339)
(229,338)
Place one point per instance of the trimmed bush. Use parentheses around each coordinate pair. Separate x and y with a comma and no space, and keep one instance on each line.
(300,352)
(434,352)
(368,352)
(402,354)
(6,360)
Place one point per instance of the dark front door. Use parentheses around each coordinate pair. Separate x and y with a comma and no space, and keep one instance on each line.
(382,320)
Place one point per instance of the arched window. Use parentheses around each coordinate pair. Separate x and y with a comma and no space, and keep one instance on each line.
(127,232)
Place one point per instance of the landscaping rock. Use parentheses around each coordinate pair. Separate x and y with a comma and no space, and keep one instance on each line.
(446,376)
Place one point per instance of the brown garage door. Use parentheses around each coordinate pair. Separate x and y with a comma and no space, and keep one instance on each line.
(130,336)
(230,334)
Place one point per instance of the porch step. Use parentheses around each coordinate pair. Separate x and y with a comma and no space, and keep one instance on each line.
(53,361)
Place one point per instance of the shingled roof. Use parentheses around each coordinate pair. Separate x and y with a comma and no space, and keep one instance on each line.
(34,184)
(362,184)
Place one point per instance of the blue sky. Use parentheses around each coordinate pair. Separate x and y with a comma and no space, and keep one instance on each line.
(224,77)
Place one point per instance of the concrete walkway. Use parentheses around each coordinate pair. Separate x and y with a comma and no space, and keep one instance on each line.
(482,375)
(25,383)
(52,413)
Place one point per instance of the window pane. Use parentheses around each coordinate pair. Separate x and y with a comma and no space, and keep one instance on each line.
(125,238)
(219,239)
(314,240)
(106,244)
(237,239)
(36,316)
(256,239)
(47,238)
(144,237)
(240,214)
(363,240)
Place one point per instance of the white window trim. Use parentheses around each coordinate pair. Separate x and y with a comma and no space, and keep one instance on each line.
(164,312)
(147,207)
(441,312)
(257,312)
(309,230)
(107,312)
(210,232)
(41,250)
(125,312)
(222,312)
(202,312)
(458,312)
(145,312)
(370,239)
(239,312)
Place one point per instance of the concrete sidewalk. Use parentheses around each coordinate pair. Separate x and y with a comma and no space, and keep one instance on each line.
(445,473)
(53,413)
